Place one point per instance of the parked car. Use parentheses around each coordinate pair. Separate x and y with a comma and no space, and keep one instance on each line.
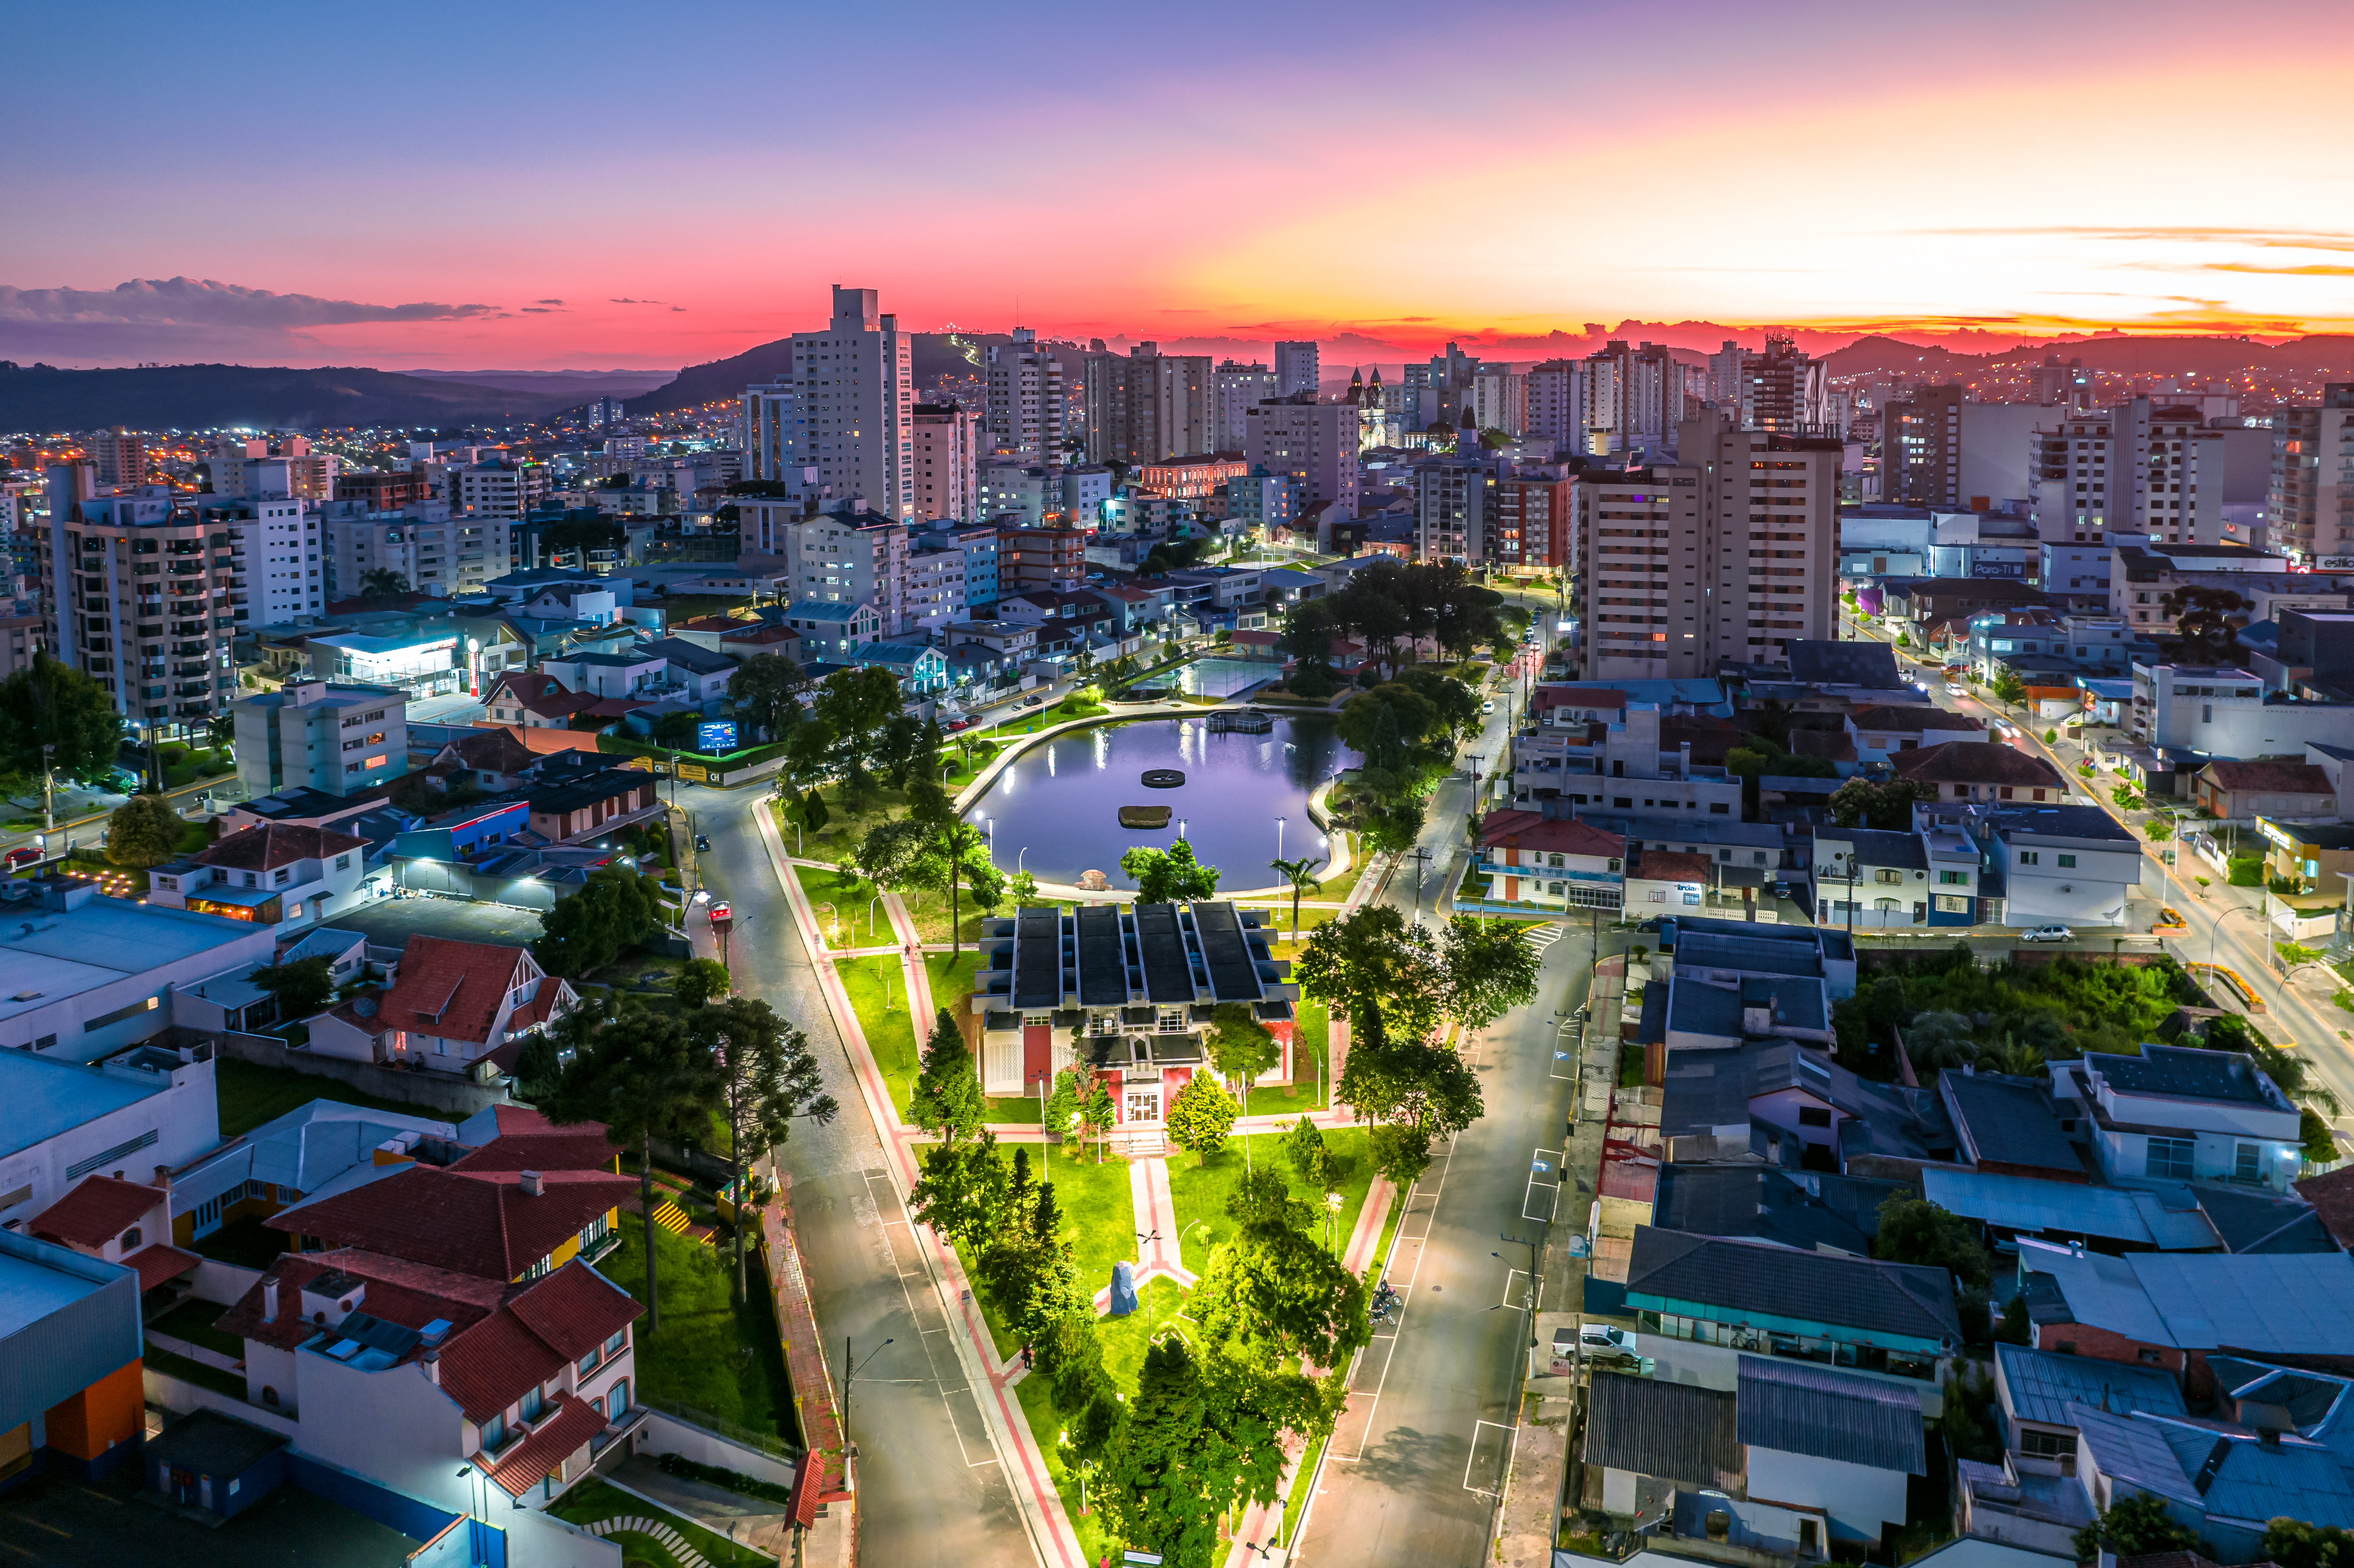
(1488,706)
(2048,934)
(1600,1342)
(1033,701)
(23,855)
(702,843)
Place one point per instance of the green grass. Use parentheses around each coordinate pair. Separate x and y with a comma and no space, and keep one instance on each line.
(1038,1409)
(1302,1480)
(879,997)
(1099,1215)
(192,1321)
(708,1352)
(250,1094)
(1200,1191)
(951,977)
(850,900)
(929,911)
(594,1500)
(999,1335)
(219,1381)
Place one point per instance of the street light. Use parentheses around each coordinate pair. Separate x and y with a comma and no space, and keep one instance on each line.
(850,1380)
(1278,836)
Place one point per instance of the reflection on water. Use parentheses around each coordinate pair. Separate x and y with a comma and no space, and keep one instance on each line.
(1054,812)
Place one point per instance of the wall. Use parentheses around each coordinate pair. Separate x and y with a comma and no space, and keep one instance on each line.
(226,1283)
(666,1434)
(185,1119)
(1860,1501)
(455,1097)
(180,1396)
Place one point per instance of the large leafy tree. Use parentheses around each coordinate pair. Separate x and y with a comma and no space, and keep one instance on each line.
(1485,970)
(701,980)
(1417,1091)
(300,988)
(764,1075)
(1169,877)
(1200,1114)
(947,1098)
(142,832)
(1887,806)
(613,912)
(765,693)
(2135,1526)
(964,1189)
(854,706)
(1241,1048)
(55,704)
(2293,1544)
(639,1074)
(1272,1294)
(1373,958)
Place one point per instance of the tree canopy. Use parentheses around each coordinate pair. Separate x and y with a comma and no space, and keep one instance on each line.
(764,693)
(142,832)
(613,912)
(52,703)
(1169,877)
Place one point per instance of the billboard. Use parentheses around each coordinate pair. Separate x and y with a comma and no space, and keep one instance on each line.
(714,737)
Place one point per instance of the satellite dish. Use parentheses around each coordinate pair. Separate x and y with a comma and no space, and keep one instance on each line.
(364,1006)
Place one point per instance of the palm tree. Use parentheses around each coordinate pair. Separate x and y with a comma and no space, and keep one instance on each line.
(1295,872)
(382,584)
(1939,1040)
(2012,1056)
(639,1074)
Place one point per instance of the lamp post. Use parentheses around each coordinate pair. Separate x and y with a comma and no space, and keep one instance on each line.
(849,1380)
(1531,1245)
(1278,836)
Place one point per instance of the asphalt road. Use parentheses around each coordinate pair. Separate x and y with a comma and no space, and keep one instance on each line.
(930,1488)
(1420,1456)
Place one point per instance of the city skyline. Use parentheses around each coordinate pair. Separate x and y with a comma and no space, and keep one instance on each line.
(455,210)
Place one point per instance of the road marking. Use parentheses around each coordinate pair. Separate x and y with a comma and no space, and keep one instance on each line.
(1541,1173)
(1544,937)
(1537,1281)
(1405,1293)
(1472,1460)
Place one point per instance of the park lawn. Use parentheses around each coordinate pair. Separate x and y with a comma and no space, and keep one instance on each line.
(1160,1307)
(594,1500)
(1099,1215)
(843,903)
(999,1335)
(952,976)
(880,999)
(1038,1409)
(1201,1191)
(192,1321)
(248,1095)
(930,910)
(708,1353)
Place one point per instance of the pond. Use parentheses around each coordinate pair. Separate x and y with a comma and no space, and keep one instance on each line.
(1054,812)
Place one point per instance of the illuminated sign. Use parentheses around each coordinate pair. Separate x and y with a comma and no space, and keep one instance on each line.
(2275,834)
(2335,563)
(714,737)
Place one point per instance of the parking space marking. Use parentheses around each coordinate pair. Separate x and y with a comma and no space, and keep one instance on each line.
(1503,1442)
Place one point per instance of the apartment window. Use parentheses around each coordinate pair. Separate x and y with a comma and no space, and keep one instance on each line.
(2170,1157)
(1948,904)
(283,878)
(1814,1116)
(614,1346)
(532,1404)
(590,1362)
(2245,1167)
(1887,875)
(343,863)
(2030,857)
(1954,879)
(2067,862)
(2046,1445)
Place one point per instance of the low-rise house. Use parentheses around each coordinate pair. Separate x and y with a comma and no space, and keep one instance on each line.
(697,673)
(513,1226)
(2242,790)
(2044,865)
(2035,1498)
(1668,879)
(269,875)
(1820,1441)
(493,760)
(455,1005)
(2177,1113)
(1873,878)
(535,700)
(1625,764)
(316,1149)
(118,1221)
(828,628)
(1981,771)
(621,674)
(126,1117)
(1647,1438)
(1883,729)
(575,807)
(1795,1107)
(1561,862)
(1812,1210)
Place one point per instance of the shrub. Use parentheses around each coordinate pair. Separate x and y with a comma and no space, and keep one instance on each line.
(729,1480)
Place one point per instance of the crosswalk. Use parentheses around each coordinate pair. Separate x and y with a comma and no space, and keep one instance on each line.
(1544,937)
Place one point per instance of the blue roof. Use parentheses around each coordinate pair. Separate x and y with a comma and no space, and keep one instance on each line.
(46,1098)
(822,610)
(2031,1203)
(2045,1386)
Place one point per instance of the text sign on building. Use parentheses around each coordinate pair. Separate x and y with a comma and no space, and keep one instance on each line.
(714,737)
(2277,836)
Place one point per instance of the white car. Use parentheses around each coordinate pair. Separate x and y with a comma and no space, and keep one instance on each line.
(1600,1343)
(1488,706)
(1954,690)
(2048,934)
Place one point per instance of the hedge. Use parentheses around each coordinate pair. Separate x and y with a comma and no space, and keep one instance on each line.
(727,1480)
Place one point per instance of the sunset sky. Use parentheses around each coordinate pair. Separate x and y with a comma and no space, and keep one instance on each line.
(596,186)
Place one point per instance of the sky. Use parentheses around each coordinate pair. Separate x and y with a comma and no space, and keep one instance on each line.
(593,186)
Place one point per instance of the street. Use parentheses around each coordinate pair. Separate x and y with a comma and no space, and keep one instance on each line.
(1418,1458)
(930,1488)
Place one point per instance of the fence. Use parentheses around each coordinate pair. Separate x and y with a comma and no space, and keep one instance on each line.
(454,1097)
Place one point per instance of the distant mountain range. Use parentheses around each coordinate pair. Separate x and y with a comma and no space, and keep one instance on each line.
(930,356)
(210,396)
(2192,356)
(582,384)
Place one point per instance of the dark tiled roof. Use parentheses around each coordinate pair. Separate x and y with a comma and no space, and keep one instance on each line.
(2190,1073)
(273,844)
(1839,663)
(2269,777)
(2009,1121)
(1795,1407)
(1975,762)
(1911,719)
(2251,1220)
(485,1225)
(1751,1200)
(1673,1431)
(1879,847)
(1751,1276)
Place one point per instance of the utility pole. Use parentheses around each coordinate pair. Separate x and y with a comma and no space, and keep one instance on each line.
(1421,859)
(49,790)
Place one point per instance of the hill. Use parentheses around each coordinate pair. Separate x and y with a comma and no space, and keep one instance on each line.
(930,354)
(207,396)
(2190,357)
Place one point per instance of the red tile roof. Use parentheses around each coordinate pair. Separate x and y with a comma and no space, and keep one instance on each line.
(542,694)
(1911,720)
(543,1328)
(1975,762)
(273,844)
(583,1148)
(483,1224)
(562,1432)
(2331,1194)
(2269,777)
(542,742)
(1670,865)
(159,1263)
(1557,835)
(576,1310)
(409,1294)
(451,988)
(95,1212)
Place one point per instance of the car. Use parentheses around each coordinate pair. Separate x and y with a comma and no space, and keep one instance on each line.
(1954,690)
(703,843)
(720,913)
(1488,706)
(23,855)
(1033,701)
(956,724)
(1600,1342)
(2047,934)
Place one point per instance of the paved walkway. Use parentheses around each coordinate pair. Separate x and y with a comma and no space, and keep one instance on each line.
(670,1540)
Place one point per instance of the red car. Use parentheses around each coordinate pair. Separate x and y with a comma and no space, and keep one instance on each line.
(720,913)
(25,855)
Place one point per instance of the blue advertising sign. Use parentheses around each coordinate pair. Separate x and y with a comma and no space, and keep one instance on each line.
(714,737)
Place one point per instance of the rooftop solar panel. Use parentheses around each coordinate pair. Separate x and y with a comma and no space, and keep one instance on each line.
(1103,966)
(1168,973)
(1233,976)
(1038,958)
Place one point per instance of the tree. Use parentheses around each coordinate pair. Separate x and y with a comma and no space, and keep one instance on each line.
(2293,1544)
(1887,806)
(1485,970)
(1023,888)
(1421,1091)
(300,988)
(2202,623)
(1200,1116)
(1274,1296)
(677,729)
(964,1190)
(1062,1107)
(221,730)
(381,586)
(1916,1231)
(1300,873)
(642,1077)
(947,1098)
(143,830)
(613,913)
(1935,1041)
(1098,1114)
(701,980)
(2008,687)
(855,704)
(955,856)
(1169,877)
(765,1075)
(2319,1143)
(808,810)
(1374,959)
(1241,1048)
(1303,1146)
(2135,1526)
(55,704)
(765,693)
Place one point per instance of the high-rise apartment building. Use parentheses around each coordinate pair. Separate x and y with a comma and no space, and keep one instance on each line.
(1315,443)
(851,555)
(2143,467)
(1235,388)
(947,462)
(768,432)
(1026,399)
(144,594)
(2310,512)
(418,542)
(1783,389)
(1296,369)
(384,491)
(1556,405)
(856,405)
(120,458)
(1500,399)
(1146,406)
(1634,398)
(1535,524)
(1940,448)
(1728,554)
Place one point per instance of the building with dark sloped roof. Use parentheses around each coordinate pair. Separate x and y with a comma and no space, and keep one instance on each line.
(1813,1437)
(1646,1437)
